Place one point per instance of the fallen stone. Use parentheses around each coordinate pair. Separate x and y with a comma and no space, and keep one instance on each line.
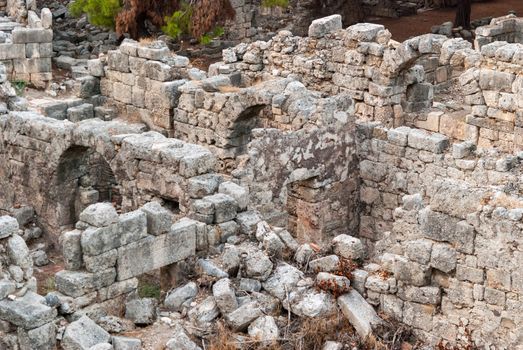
(125,343)
(180,341)
(359,313)
(348,247)
(141,311)
(224,296)
(176,298)
(83,334)
(264,329)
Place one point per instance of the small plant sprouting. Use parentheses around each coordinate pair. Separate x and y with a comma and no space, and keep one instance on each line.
(209,37)
(19,86)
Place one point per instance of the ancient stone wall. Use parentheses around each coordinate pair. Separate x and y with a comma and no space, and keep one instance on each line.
(45,162)
(142,82)
(384,77)
(440,221)
(26,49)
(508,28)
(494,91)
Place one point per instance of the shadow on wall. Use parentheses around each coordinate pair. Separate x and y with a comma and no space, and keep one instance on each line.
(83,177)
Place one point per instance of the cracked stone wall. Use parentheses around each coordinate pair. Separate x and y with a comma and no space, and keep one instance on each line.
(442,223)
(146,165)
(26,46)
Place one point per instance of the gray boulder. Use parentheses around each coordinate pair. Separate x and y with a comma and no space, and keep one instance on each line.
(141,311)
(83,334)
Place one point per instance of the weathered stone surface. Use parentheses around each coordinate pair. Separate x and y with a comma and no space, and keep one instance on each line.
(224,296)
(83,334)
(359,313)
(242,317)
(99,215)
(321,27)
(78,283)
(176,298)
(282,280)
(264,329)
(141,311)
(125,343)
(179,243)
(348,247)
(180,341)
(159,219)
(43,337)
(26,315)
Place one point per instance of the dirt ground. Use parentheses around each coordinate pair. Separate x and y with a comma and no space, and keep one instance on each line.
(405,27)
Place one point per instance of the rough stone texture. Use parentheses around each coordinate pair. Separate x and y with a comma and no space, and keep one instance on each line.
(83,334)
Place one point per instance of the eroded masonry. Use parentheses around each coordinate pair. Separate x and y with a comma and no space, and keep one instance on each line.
(403,157)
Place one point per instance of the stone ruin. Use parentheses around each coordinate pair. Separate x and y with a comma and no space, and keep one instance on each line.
(26,42)
(263,174)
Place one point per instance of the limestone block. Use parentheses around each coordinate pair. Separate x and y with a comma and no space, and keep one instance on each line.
(159,219)
(99,215)
(131,227)
(141,311)
(32,35)
(224,207)
(118,61)
(136,258)
(359,313)
(96,67)
(32,65)
(43,337)
(239,193)
(12,51)
(156,53)
(82,112)
(420,139)
(72,249)
(83,334)
(365,32)
(26,315)
(411,272)
(348,247)
(47,18)
(8,226)
(78,283)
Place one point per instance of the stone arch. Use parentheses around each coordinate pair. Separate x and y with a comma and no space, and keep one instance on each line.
(81,177)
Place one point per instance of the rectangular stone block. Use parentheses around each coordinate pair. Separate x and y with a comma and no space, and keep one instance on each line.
(152,253)
(32,35)
(420,139)
(122,93)
(131,227)
(12,51)
(78,283)
(32,65)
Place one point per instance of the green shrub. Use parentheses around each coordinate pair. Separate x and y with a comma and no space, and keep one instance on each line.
(179,22)
(100,13)
(274,3)
(216,33)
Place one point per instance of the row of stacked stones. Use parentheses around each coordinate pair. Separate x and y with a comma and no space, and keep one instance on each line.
(383,76)
(494,91)
(17,9)
(26,50)
(141,82)
(26,321)
(508,28)
(442,222)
